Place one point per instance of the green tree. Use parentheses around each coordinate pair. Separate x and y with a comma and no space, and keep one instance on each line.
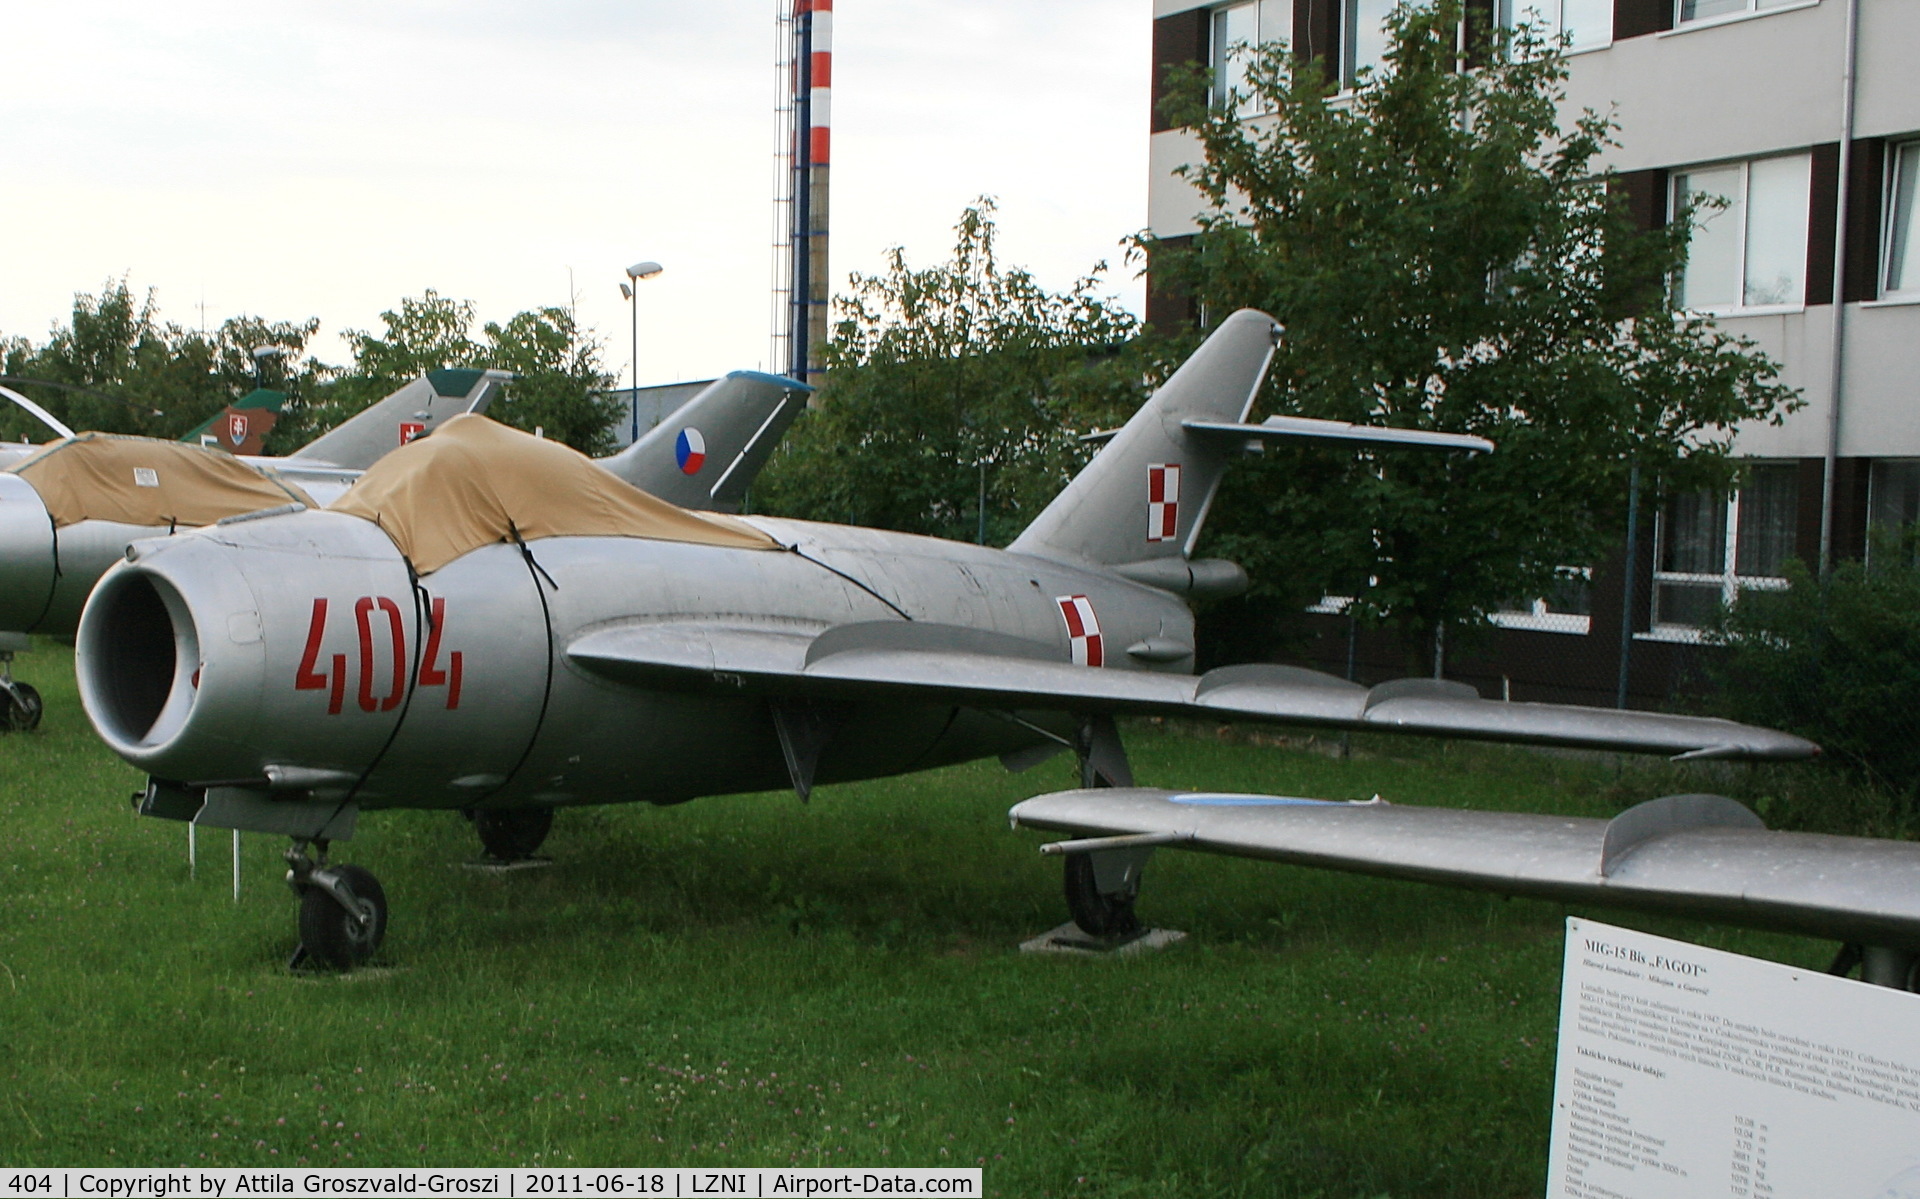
(560,388)
(951,382)
(1836,659)
(421,335)
(118,367)
(561,385)
(1445,255)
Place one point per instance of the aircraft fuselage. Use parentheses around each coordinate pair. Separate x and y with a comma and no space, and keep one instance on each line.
(296,648)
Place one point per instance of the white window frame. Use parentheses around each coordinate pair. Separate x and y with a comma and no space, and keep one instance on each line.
(1539,616)
(1740,307)
(1896,153)
(1348,50)
(1728,579)
(1876,484)
(1508,19)
(1752,8)
(1217,54)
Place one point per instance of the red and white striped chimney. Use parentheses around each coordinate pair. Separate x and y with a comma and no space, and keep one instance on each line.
(813,97)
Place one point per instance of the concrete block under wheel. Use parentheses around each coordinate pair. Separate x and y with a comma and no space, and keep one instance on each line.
(496,866)
(1069,939)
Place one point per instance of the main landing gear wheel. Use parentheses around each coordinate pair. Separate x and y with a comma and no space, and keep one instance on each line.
(23,710)
(342,926)
(1099,914)
(512,834)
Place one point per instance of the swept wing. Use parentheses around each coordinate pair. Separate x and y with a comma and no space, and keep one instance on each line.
(1704,856)
(933,663)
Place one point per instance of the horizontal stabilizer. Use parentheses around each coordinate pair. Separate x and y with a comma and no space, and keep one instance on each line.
(1279,428)
(923,662)
(1687,855)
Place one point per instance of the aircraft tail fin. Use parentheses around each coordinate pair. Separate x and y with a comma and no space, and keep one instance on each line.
(707,452)
(411,412)
(1145,496)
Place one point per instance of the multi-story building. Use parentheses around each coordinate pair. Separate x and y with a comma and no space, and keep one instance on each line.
(1801,116)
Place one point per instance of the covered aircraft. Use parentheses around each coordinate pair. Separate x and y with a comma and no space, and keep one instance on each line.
(489,624)
(69,509)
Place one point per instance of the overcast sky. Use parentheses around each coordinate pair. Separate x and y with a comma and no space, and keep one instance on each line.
(290,160)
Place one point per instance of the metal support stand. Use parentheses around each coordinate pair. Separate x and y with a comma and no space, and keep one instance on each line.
(1629,587)
(1103,759)
(1885,967)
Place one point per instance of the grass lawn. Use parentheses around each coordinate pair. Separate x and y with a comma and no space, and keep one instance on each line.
(747,981)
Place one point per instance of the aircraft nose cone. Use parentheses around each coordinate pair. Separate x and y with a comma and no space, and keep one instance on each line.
(26,555)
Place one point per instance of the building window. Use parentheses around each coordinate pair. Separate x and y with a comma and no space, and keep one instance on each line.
(1893,493)
(1713,546)
(1584,23)
(1749,243)
(1893,504)
(1902,252)
(1566,608)
(1706,10)
(1363,38)
(1237,30)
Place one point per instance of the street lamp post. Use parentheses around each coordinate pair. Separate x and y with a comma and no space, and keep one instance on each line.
(260,356)
(636,272)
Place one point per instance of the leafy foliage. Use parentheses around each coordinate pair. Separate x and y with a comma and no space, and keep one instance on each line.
(117,367)
(561,386)
(1442,258)
(1838,660)
(952,378)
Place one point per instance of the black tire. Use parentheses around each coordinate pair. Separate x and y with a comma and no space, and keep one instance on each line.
(1097,915)
(332,937)
(512,834)
(24,707)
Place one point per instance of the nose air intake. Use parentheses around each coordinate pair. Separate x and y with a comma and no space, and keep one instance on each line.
(138,681)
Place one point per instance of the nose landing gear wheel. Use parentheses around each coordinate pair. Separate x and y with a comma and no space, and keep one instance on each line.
(23,709)
(330,933)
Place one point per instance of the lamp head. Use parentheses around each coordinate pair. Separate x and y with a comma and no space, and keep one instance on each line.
(626,293)
(644,270)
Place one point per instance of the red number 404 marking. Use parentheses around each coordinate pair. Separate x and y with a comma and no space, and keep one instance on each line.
(334,679)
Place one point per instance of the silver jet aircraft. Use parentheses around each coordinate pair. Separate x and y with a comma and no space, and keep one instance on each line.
(489,624)
(70,509)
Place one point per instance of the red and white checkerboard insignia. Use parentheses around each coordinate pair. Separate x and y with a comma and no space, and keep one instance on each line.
(1163,501)
(1083,629)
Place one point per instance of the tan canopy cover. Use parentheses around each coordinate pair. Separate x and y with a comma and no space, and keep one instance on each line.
(475,481)
(145,481)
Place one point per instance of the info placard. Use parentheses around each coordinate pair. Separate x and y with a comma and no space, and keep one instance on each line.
(1687,1072)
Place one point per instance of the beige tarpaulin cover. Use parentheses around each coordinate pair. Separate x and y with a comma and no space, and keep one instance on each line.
(475,481)
(145,481)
